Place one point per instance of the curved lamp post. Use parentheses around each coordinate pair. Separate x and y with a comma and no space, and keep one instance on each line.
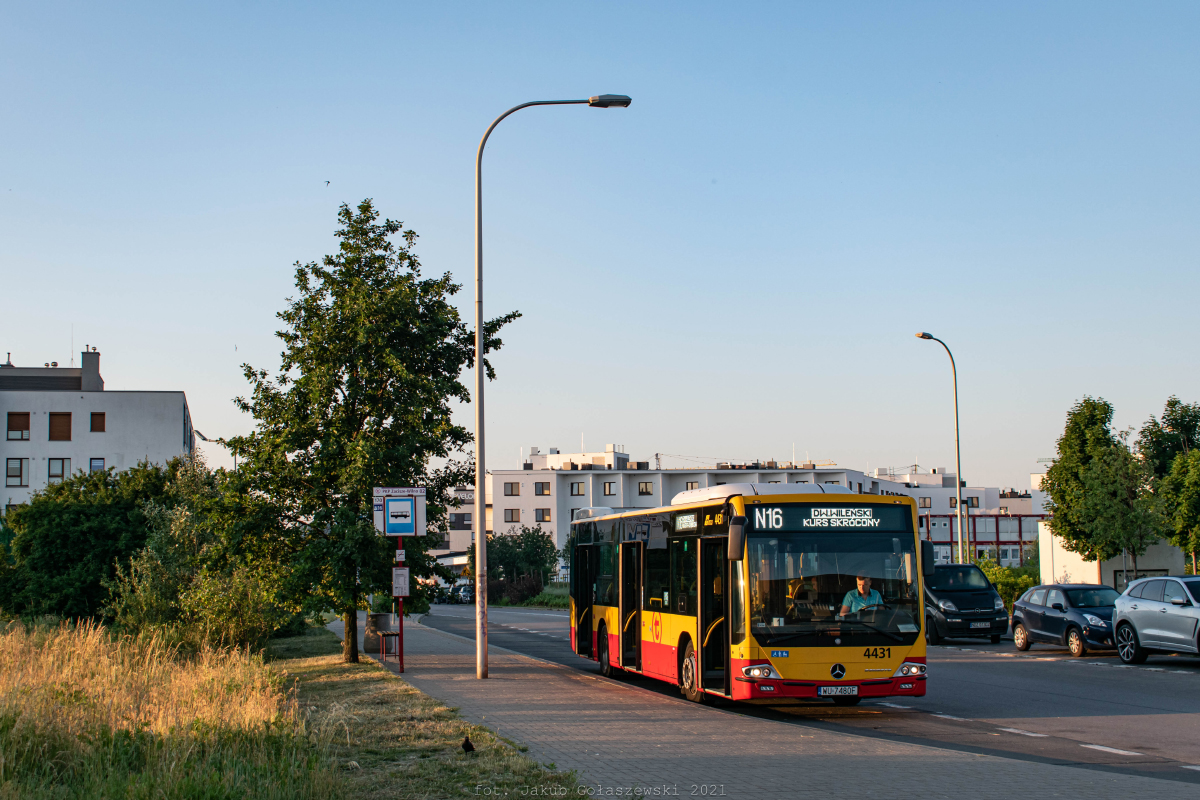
(481,657)
(962,532)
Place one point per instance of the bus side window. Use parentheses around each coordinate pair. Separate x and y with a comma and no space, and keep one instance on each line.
(683,576)
(658,569)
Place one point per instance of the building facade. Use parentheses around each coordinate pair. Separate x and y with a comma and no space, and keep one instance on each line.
(61,421)
(553,487)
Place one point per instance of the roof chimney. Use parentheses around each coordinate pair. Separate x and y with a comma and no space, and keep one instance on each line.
(90,380)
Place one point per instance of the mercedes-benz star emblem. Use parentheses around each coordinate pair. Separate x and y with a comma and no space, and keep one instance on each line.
(837,671)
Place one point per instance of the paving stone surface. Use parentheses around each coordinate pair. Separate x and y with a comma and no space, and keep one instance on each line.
(625,741)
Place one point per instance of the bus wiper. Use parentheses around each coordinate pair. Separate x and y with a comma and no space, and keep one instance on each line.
(888,634)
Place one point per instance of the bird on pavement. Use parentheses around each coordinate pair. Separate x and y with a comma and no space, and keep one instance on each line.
(467,746)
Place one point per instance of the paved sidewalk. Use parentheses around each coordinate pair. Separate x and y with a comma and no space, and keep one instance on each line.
(619,737)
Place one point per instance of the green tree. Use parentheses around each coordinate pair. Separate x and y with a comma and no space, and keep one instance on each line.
(1120,510)
(1181,491)
(521,551)
(1087,435)
(1178,432)
(64,545)
(372,359)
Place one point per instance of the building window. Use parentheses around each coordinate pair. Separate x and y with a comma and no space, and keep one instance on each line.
(577,489)
(96,465)
(60,427)
(18,426)
(542,489)
(18,472)
(692,485)
(59,468)
(512,490)
(541,515)
(97,422)
(954,502)
(833,483)
(924,502)
(1003,509)
(645,488)
(512,515)
(972,502)
(460,522)
(610,488)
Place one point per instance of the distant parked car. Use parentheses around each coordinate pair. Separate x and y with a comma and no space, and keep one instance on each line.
(1078,615)
(961,601)
(1158,615)
(463,593)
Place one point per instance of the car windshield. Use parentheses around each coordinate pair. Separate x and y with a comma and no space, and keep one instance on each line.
(830,582)
(961,577)
(1100,597)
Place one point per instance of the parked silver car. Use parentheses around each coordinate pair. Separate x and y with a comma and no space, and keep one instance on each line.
(1158,615)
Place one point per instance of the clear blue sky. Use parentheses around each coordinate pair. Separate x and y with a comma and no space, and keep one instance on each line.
(736,263)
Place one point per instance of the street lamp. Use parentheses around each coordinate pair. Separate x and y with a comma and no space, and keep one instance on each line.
(962,532)
(481,658)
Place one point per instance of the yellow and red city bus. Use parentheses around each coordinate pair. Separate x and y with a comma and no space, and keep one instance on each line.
(747,592)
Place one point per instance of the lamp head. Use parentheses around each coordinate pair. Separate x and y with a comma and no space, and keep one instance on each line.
(609,101)
(923,335)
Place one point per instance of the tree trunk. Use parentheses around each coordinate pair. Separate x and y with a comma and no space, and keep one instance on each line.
(1135,575)
(350,643)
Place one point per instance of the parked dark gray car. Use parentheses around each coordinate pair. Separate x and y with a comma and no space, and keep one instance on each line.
(1078,615)
(1158,615)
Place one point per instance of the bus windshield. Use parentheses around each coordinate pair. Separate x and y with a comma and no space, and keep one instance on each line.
(833,584)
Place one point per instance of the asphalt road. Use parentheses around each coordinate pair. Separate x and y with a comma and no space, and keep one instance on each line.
(1042,705)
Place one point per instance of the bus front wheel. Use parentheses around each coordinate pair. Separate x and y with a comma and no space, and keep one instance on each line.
(689,676)
(606,667)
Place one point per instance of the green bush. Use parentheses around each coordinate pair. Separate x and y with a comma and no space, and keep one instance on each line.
(1010,582)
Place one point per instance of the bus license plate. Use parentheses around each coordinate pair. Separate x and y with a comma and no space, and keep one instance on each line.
(981,624)
(826,691)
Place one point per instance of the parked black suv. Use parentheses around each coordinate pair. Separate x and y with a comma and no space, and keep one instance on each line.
(961,601)
(1078,615)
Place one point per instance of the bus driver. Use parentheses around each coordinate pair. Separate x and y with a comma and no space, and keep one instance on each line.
(862,597)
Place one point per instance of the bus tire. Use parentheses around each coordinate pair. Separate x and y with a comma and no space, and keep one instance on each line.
(689,676)
(606,667)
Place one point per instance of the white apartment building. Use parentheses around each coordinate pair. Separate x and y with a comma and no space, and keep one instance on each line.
(553,486)
(61,420)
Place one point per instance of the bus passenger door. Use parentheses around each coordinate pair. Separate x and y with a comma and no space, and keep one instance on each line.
(631,602)
(714,615)
(585,566)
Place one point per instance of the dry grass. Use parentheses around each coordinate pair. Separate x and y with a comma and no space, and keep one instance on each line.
(398,742)
(84,714)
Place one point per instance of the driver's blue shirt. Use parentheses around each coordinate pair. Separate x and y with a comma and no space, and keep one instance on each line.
(856,602)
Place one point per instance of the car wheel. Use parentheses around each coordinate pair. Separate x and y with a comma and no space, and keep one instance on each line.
(846,700)
(995,638)
(1075,643)
(1128,648)
(606,667)
(931,632)
(1020,637)
(689,676)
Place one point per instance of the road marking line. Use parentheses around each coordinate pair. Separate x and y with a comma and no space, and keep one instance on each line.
(1023,733)
(947,716)
(1111,750)
(1189,766)
(892,705)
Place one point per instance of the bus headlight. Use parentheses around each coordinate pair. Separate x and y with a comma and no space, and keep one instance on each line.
(761,671)
(908,669)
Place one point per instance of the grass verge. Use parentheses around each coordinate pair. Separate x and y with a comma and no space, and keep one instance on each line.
(395,742)
(86,714)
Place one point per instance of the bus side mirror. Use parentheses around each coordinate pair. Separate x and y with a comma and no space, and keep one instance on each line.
(737,538)
(928,558)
